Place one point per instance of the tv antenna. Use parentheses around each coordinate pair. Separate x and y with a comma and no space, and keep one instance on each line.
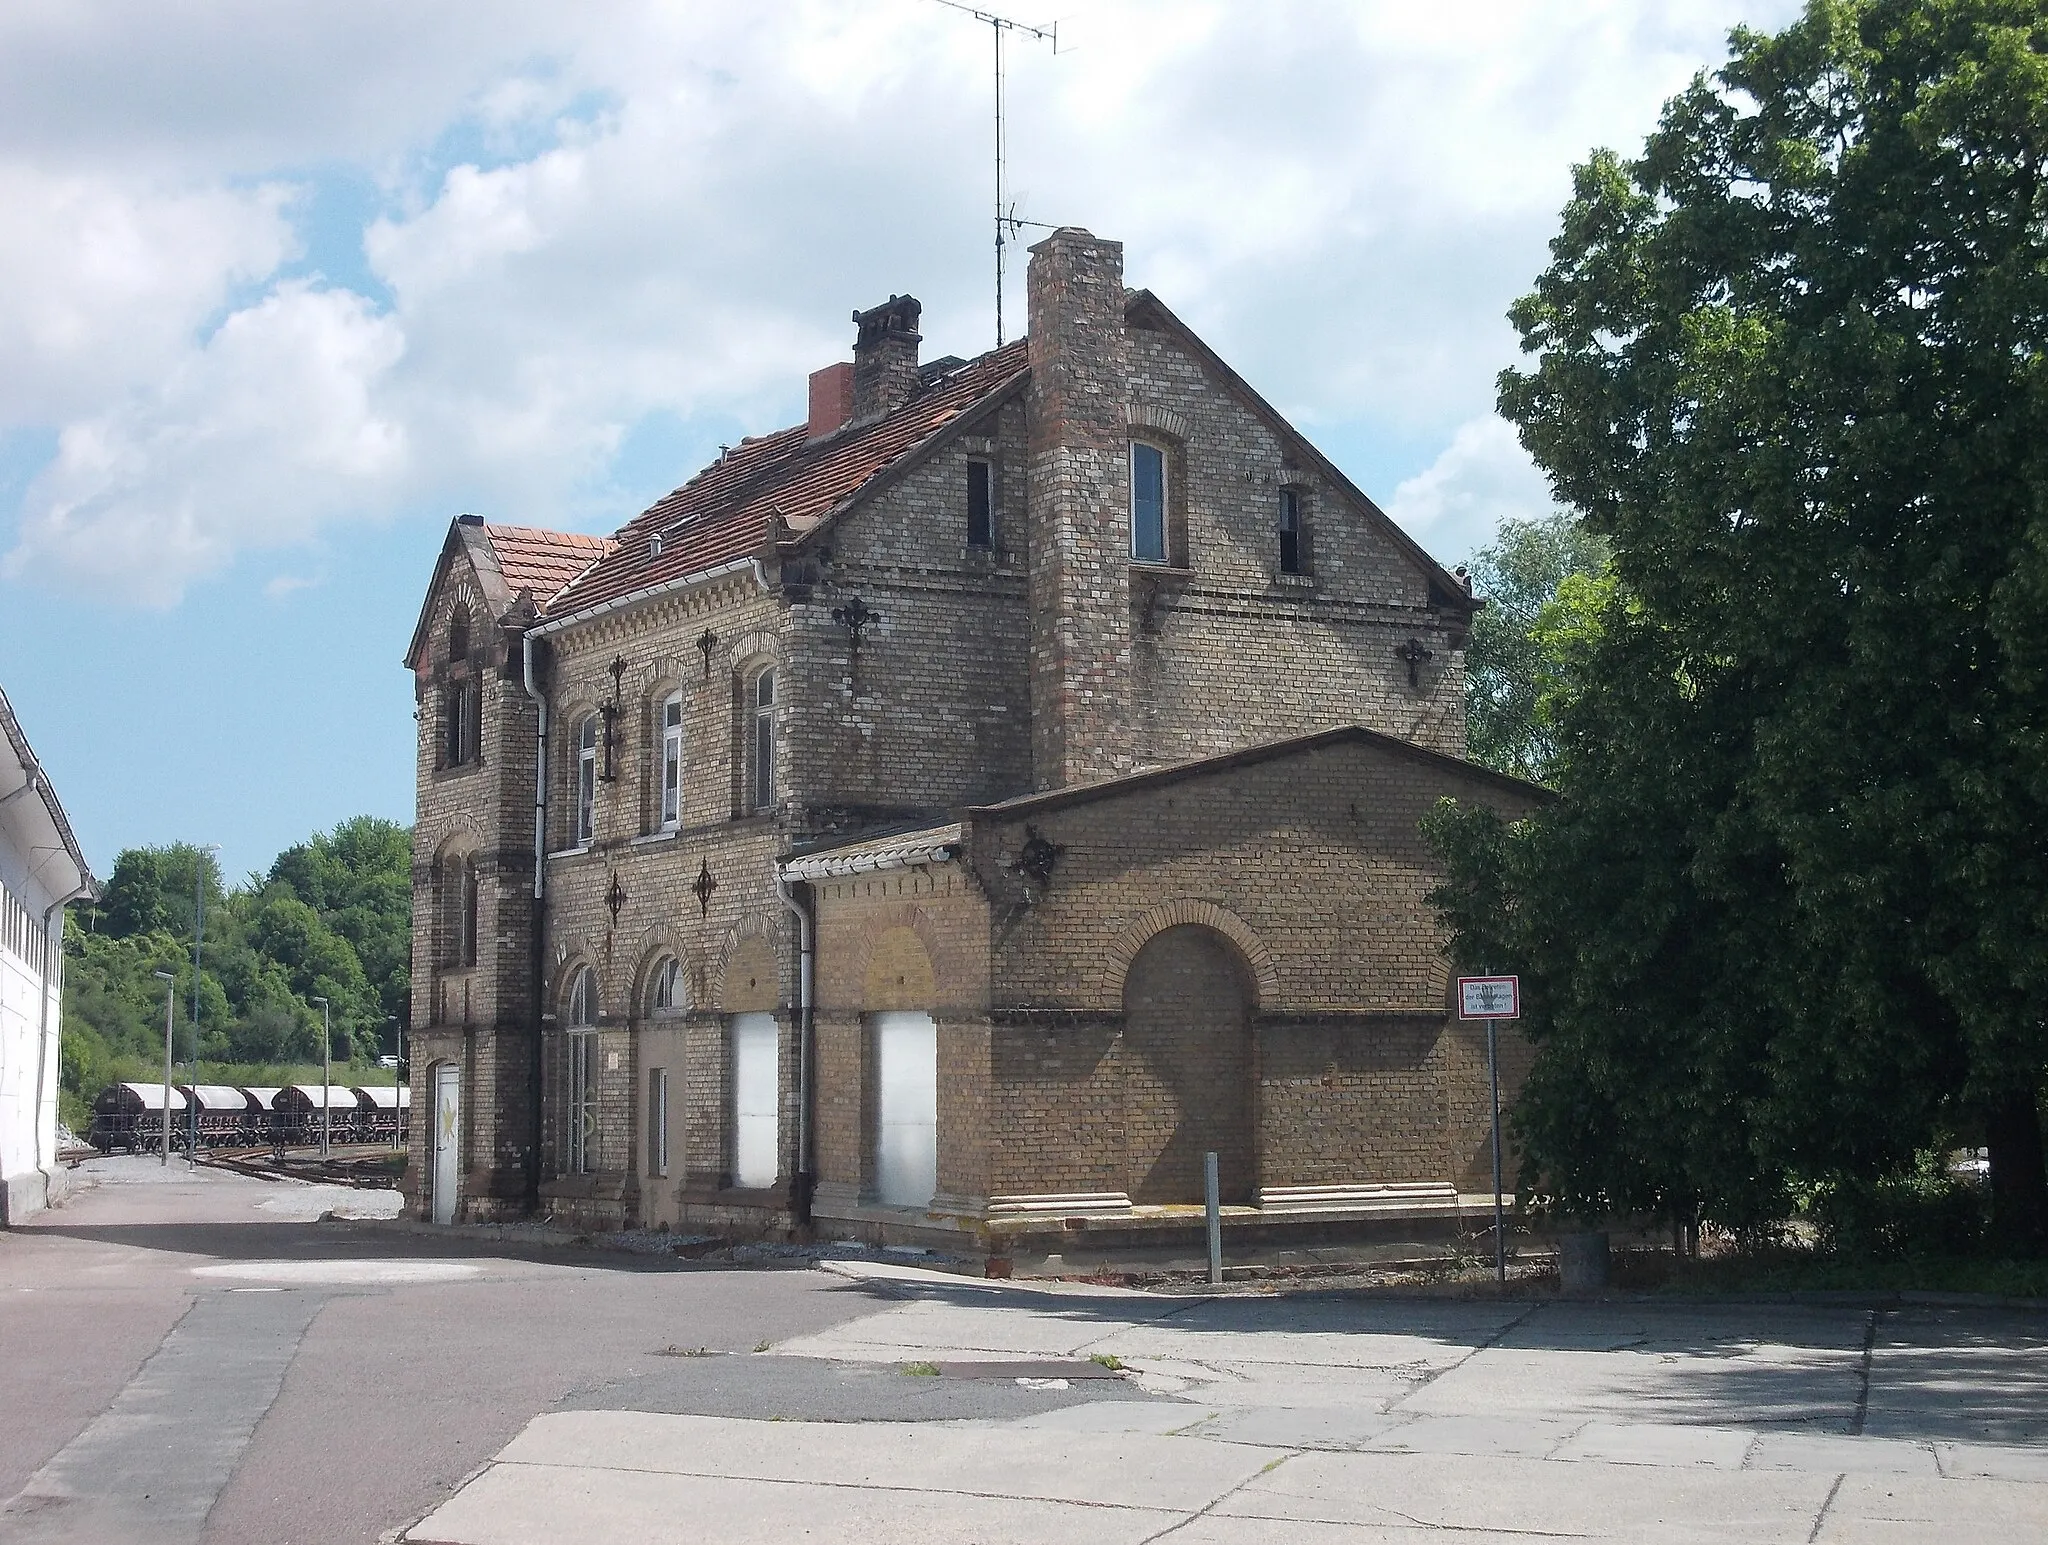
(1007,223)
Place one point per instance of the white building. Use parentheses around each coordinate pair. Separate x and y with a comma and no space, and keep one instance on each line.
(41,869)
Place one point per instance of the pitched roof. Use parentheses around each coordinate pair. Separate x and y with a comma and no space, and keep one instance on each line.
(1246,756)
(543,561)
(60,824)
(780,485)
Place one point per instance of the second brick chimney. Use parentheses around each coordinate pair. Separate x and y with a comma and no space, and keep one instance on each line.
(831,399)
(885,356)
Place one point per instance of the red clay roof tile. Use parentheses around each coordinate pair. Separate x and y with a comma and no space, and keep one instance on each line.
(543,561)
(732,508)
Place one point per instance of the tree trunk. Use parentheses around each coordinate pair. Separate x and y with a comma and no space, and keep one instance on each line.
(2019,1179)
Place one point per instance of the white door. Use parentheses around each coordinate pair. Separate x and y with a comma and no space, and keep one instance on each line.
(447,1138)
(757,1126)
(907,1146)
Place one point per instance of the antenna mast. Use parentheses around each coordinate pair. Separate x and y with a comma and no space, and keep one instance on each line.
(1006,225)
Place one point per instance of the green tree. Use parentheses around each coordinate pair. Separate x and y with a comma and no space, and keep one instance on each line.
(1790,364)
(1518,574)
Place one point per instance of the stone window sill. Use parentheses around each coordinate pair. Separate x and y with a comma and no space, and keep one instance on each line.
(459,770)
(650,838)
(1295,581)
(585,851)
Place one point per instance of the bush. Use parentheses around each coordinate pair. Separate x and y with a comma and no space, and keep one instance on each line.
(1923,1212)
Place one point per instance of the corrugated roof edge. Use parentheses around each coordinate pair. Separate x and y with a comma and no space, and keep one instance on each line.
(25,754)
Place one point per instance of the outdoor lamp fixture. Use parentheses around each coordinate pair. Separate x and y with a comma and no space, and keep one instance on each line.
(399,1081)
(170,1008)
(326,1075)
(703,886)
(706,642)
(198,938)
(1414,652)
(610,711)
(855,616)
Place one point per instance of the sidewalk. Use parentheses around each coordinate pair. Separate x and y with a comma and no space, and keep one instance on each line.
(1325,1419)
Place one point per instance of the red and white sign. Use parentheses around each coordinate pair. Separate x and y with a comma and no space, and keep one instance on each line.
(1489,997)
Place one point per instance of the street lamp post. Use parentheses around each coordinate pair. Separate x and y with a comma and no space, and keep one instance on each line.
(326,1075)
(398,1082)
(170,1009)
(198,939)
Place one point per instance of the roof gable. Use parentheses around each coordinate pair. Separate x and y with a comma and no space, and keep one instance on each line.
(1144,309)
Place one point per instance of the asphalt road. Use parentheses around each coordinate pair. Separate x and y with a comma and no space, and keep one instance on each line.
(191,1357)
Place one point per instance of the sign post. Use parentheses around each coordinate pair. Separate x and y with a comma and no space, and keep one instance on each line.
(1493,998)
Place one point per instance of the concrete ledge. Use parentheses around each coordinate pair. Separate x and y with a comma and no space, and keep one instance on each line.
(1077,1204)
(1360,1199)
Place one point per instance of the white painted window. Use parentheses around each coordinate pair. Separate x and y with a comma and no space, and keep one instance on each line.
(586,780)
(907,1139)
(1148,503)
(582,1079)
(657,1122)
(764,741)
(756,1117)
(672,762)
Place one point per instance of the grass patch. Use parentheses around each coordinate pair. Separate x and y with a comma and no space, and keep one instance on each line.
(1108,1360)
(922,1370)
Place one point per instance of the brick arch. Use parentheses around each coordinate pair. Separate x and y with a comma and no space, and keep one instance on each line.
(1151,418)
(751,649)
(566,967)
(749,973)
(655,946)
(1206,914)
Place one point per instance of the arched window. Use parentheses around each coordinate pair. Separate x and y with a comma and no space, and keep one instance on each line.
(586,780)
(456,880)
(461,700)
(763,749)
(1293,559)
(458,639)
(671,768)
(580,1011)
(666,991)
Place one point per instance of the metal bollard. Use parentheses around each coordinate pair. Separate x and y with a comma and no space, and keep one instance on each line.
(1211,1195)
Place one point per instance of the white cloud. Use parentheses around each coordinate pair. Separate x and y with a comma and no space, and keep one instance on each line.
(256,441)
(1482,478)
(583,216)
(282,585)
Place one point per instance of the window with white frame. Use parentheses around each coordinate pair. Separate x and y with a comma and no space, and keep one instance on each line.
(666,992)
(981,504)
(581,1013)
(671,770)
(657,1121)
(1148,503)
(762,793)
(586,780)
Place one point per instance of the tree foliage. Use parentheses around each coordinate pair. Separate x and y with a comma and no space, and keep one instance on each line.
(332,919)
(1519,574)
(1790,912)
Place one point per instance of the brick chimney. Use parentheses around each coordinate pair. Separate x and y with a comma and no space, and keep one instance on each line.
(885,356)
(831,398)
(1079,512)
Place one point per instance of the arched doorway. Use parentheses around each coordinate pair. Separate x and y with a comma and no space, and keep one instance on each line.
(1187,1067)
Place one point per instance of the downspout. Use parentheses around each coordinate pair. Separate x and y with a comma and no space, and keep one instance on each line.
(50,952)
(540,872)
(804,1011)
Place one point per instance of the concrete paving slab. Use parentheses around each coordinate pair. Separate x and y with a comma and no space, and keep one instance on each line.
(1650,1443)
(1522,1436)
(1994,1461)
(545,1505)
(1212,1529)
(1585,1500)
(1154,1416)
(1304,1387)
(1944,1374)
(1968,1509)
(1030,1329)
(1830,1454)
(1106,1469)
(1296,1427)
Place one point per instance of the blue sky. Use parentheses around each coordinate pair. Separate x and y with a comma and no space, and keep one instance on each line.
(284,289)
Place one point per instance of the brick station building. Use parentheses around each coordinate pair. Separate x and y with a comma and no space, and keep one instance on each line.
(947,819)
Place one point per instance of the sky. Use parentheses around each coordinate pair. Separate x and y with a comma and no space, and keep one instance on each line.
(283,288)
